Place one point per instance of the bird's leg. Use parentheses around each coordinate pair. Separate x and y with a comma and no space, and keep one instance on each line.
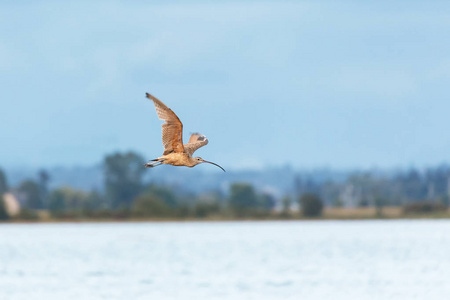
(156,162)
(151,165)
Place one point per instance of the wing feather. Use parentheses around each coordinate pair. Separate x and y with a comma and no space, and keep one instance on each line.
(172,129)
(196,141)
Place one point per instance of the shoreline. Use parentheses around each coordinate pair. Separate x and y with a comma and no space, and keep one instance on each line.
(429,216)
(329,213)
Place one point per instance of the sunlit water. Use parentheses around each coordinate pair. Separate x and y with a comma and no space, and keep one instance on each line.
(226,260)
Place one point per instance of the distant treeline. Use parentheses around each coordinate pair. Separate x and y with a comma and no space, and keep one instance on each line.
(371,189)
(126,195)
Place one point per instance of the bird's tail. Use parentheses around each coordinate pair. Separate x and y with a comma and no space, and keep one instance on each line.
(157,162)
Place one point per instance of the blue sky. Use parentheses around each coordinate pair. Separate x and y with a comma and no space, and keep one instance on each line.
(341,84)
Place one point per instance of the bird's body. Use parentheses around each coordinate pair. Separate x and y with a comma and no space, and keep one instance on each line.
(175,153)
(177,159)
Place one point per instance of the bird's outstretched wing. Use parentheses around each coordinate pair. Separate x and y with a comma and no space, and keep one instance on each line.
(172,129)
(196,141)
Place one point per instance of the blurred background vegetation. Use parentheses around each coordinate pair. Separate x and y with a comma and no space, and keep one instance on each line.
(126,194)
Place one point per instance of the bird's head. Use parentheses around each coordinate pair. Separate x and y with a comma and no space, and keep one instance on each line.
(199,160)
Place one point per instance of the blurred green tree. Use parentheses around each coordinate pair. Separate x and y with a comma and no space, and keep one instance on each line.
(311,205)
(423,207)
(66,200)
(150,206)
(44,178)
(3,213)
(57,202)
(267,202)
(337,202)
(203,209)
(3,183)
(123,178)
(32,193)
(28,214)
(243,200)
(94,202)
(183,210)
(445,199)
(380,202)
(363,202)
(164,193)
(286,206)
(3,188)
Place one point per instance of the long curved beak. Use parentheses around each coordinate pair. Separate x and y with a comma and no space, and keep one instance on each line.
(205,161)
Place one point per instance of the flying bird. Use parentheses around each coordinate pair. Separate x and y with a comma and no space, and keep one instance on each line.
(175,153)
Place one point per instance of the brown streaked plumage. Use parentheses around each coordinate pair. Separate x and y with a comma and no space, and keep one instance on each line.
(175,153)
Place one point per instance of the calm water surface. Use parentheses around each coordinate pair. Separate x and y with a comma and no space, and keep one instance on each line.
(226,260)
